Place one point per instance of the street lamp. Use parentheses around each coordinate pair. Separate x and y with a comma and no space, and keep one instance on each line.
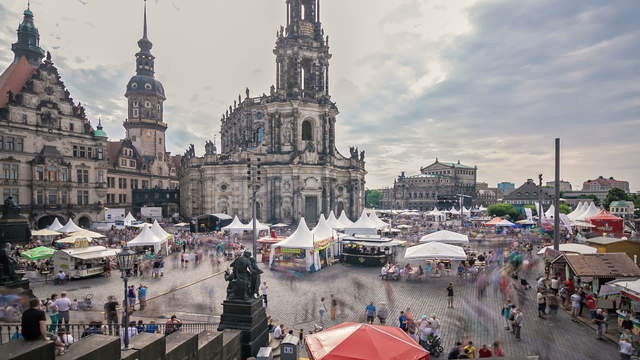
(125,263)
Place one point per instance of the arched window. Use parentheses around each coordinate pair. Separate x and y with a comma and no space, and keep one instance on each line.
(307,131)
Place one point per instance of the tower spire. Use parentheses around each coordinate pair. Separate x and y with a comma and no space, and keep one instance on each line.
(28,44)
(144,35)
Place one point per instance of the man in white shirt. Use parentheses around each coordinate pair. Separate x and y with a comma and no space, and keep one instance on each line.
(277,332)
(575,304)
(264,290)
(555,285)
(64,305)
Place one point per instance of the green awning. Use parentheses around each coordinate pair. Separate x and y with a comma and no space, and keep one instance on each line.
(41,252)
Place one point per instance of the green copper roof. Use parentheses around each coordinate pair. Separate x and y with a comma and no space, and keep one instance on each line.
(456,165)
(99,132)
(621,203)
(28,12)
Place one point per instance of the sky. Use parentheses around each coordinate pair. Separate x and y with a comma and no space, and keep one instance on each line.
(488,82)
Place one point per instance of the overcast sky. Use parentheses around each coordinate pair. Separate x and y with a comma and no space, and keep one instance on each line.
(489,83)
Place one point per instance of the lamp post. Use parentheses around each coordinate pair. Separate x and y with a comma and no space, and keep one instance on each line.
(125,263)
(254,178)
(461,200)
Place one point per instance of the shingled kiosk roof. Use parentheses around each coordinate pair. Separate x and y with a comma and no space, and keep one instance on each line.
(609,265)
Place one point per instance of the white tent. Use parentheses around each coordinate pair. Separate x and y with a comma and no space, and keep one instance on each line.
(344,220)
(572,215)
(159,231)
(376,220)
(236,226)
(453,211)
(550,211)
(333,221)
(435,251)
(504,223)
(55,225)
(592,210)
(147,238)
(466,211)
(129,219)
(440,216)
(363,226)
(69,227)
(259,226)
(445,236)
(571,248)
(323,231)
(302,238)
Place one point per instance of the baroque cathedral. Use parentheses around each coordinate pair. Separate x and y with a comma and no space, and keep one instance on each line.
(280,145)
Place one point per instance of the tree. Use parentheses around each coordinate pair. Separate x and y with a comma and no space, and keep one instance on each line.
(565,209)
(615,194)
(504,210)
(372,198)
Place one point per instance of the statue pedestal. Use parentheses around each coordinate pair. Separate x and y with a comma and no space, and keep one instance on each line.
(250,317)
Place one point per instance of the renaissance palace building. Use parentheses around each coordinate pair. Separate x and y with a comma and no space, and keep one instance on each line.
(280,144)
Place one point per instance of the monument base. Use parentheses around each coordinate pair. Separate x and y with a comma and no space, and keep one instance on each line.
(250,317)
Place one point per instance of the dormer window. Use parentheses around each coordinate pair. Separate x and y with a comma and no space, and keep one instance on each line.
(147,104)
(134,85)
(147,86)
(135,112)
(135,104)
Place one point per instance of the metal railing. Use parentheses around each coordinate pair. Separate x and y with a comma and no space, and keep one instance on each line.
(9,332)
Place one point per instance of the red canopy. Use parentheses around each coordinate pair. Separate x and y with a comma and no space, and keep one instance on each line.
(605,223)
(604,215)
(355,341)
(493,221)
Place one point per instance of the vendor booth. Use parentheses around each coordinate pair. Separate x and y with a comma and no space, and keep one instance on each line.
(437,256)
(446,237)
(369,250)
(356,341)
(364,226)
(593,270)
(325,242)
(82,262)
(300,251)
(606,223)
(148,240)
(626,293)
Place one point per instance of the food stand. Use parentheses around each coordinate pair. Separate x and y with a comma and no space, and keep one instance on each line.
(148,240)
(264,246)
(435,252)
(369,250)
(628,293)
(303,250)
(82,262)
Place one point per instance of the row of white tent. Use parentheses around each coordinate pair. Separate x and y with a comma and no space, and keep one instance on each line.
(151,235)
(584,211)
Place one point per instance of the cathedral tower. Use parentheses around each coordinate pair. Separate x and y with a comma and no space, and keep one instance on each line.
(302,53)
(28,43)
(145,126)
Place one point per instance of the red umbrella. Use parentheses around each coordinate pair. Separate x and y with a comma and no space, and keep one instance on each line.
(355,341)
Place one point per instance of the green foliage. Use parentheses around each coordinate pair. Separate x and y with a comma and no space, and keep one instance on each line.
(372,198)
(504,210)
(615,194)
(565,209)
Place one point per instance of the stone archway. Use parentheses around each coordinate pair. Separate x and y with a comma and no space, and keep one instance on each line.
(84,222)
(47,220)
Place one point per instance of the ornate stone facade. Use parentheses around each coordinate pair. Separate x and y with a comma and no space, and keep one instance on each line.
(53,161)
(140,161)
(437,185)
(285,139)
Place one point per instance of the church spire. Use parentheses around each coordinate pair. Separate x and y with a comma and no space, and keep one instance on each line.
(28,43)
(144,59)
(144,34)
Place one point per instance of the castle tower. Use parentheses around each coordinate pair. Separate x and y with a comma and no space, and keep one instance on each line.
(302,53)
(145,126)
(28,43)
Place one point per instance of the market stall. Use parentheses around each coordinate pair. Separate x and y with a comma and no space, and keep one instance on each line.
(446,237)
(148,240)
(436,256)
(594,270)
(325,243)
(606,223)
(369,250)
(627,294)
(82,262)
(363,226)
(356,341)
(300,251)
(69,227)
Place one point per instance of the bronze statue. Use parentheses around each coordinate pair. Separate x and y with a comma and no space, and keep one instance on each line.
(244,279)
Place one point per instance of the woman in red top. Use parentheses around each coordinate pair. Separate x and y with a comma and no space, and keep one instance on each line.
(591,303)
(498,350)
(484,352)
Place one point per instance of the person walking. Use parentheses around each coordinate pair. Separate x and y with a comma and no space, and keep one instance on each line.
(111,315)
(600,322)
(142,296)
(53,314)
(64,305)
(264,290)
(333,307)
(371,312)
(450,295)
(383,313)
(518,320)
(402,319)
(542,304)
(131,296)
(576,300)
(322,311)
(506,314)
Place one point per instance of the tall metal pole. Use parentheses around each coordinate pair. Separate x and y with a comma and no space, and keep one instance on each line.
(539,209)
(556,201)
(255,229)
(125,304)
